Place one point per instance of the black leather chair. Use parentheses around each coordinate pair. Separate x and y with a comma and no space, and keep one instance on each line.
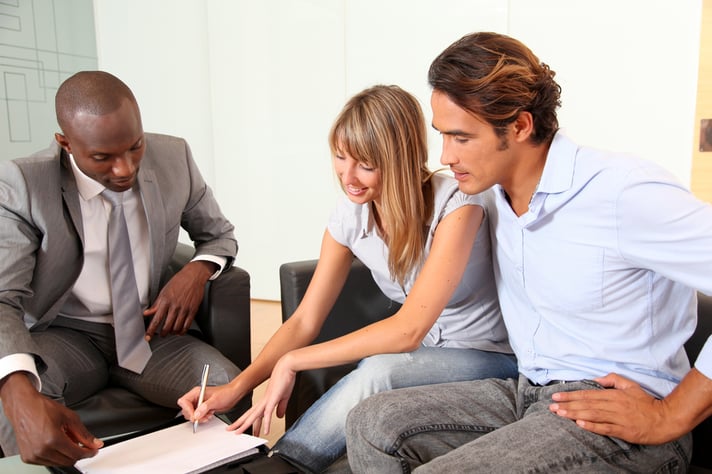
(224,322)
(361,302)
(702,434)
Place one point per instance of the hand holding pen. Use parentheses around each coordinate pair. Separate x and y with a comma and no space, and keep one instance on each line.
(203,384)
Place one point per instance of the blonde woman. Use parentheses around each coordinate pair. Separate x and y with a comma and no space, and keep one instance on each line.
(427,246)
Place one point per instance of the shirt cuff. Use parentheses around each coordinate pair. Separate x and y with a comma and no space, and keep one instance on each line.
(219,261)
(20,363)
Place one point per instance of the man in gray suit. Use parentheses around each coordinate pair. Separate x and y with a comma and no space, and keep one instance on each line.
(57,342)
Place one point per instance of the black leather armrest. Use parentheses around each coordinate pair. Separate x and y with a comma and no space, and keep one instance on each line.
(224,315)
(702,434)
(704,327)
(360,303)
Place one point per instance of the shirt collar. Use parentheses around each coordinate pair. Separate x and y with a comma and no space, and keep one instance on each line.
(87,187)
(556,177)
(558,173)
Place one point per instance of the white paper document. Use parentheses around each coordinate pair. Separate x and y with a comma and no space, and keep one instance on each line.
(173,450)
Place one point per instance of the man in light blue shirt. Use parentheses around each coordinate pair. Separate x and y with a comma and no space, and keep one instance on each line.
(597,260)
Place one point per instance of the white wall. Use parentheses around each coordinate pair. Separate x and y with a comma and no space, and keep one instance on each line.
(254,86)
(160,49)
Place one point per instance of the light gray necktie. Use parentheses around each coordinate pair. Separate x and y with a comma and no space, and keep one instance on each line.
(132,349)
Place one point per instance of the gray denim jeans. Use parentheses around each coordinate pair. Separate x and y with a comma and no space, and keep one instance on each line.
(318,439)
(492,426)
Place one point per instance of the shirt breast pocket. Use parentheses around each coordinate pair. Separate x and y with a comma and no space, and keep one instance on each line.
(569,279)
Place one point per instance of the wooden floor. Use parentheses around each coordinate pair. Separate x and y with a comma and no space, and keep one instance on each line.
(266,317)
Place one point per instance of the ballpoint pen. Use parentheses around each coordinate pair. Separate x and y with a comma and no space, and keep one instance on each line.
(203,384)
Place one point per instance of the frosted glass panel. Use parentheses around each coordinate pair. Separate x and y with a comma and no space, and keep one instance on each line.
(42,42)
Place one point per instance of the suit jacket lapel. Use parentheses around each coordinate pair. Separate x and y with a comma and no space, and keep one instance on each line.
(70,200)
(153,205)
(70,195)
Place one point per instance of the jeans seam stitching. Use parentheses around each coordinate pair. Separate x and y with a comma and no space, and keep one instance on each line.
(443,427)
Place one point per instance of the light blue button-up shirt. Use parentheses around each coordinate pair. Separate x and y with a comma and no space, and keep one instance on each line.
(600,274)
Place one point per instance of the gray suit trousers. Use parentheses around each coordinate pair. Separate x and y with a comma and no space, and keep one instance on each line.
(81,359)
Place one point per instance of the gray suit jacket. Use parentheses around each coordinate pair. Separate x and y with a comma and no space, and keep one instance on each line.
(41,237)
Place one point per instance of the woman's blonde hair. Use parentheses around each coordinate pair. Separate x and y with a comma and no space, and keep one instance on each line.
(383,127)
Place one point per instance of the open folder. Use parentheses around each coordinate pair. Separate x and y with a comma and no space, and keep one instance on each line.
(173,450)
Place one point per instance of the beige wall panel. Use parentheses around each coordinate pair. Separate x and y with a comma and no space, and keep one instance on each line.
(702,160)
